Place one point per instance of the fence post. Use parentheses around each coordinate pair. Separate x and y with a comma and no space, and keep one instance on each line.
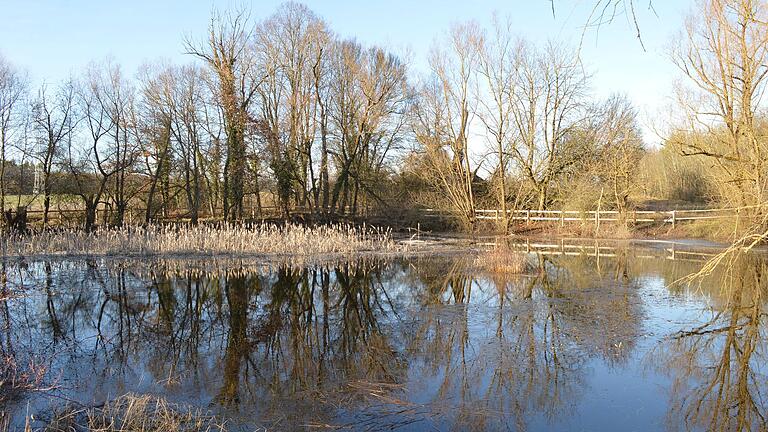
(674,219)
(527,217)
(597,220)
(562,218)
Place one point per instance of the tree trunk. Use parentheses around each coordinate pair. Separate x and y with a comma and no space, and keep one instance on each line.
(90,213)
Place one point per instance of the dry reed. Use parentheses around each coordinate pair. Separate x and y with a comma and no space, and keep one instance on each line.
(138,413)
(502,260)
(229,239)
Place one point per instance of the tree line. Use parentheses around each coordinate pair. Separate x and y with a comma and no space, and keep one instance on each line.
(284,112)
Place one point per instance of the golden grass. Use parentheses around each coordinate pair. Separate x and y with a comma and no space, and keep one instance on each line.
(137,413)
(501,260)
(245,239)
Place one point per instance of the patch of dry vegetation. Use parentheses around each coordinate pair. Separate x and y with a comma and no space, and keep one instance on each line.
(138,413)
(246,239)
(502,260)
(16,379)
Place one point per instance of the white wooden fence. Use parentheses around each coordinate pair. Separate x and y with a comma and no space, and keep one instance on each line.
(597,217)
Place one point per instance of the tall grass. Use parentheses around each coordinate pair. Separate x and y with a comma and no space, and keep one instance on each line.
(245,239)
(502,260)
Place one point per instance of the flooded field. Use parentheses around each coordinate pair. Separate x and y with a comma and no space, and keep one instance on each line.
(589,340)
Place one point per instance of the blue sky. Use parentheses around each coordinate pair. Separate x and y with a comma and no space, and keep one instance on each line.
(52,39)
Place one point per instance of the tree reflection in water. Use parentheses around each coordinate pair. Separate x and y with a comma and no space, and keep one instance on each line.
(718,367)
(425,342)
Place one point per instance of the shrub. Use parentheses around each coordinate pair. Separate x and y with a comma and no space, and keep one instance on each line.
(502,260)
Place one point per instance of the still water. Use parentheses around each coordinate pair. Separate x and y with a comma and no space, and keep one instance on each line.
(583,342)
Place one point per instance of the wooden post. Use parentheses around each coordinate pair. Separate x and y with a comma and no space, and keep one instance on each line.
(674,219)
(562,218)
(597,221)
(597,212)
(527,217)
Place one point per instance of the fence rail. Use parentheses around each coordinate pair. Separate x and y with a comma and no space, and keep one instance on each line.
(597,217)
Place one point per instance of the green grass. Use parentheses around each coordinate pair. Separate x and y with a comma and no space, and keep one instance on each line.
(35,202)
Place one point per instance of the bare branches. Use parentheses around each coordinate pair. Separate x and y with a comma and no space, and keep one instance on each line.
(604,12)
(229,56)
(724,54)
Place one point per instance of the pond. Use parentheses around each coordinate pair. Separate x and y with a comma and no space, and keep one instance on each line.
(585,341)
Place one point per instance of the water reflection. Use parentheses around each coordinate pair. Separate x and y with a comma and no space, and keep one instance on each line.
(719,366)
(410,344)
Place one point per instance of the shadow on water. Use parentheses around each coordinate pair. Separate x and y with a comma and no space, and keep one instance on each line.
(582,342)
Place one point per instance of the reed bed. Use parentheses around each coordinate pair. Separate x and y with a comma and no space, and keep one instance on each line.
(228,239)
(502,260)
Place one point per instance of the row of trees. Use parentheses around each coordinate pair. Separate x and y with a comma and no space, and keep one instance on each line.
(281,108)
(553,144)
(531,104)
(284,112)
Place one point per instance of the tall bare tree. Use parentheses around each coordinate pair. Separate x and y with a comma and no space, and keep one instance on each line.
(13,88)
(103,164)
(370,99)
(228,53)
(444,114)
(550,90)
(724,53)
(497,67)
(54,120)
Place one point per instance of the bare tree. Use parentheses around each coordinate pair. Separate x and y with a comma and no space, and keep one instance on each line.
(228,53)
(107,158)
(497,67)
(550,89)
(724,53)
(444,113)
(54,120)
(610,150)
(293,46)
(370,99)
(153,131)
(13,87)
